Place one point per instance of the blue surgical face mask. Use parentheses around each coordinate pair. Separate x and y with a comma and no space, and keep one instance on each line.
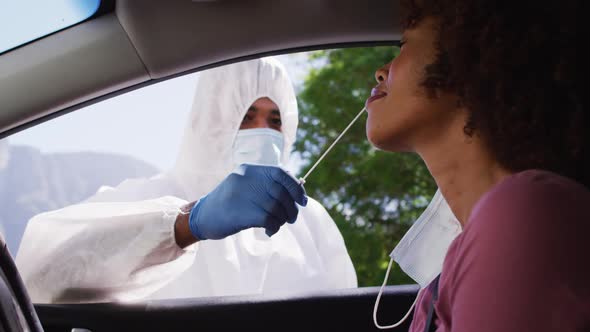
(259,146)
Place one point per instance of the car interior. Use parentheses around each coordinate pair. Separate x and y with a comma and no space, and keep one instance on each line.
(127,45)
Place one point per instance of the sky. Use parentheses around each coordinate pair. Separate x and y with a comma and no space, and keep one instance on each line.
(147,123)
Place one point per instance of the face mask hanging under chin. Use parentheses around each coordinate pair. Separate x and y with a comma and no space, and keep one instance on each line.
(422,250)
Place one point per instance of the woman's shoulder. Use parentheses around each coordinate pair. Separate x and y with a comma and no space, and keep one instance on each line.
(533,199)
(534,190)
(538,180)
(538,177)
(530,222)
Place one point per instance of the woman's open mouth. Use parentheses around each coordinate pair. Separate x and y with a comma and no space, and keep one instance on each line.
(375,94)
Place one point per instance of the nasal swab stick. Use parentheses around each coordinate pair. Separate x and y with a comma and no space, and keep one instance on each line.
(302,180)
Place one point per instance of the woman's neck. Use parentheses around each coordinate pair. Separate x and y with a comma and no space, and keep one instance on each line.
(463,170)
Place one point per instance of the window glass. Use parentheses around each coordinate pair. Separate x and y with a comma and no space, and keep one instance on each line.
(127,149)
(26,20)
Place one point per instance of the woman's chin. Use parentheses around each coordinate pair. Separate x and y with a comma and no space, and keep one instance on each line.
(377,140)
(385,141)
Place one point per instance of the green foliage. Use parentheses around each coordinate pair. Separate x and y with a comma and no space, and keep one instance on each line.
(373,196)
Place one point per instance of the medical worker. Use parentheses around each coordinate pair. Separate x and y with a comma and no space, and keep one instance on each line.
(207,227)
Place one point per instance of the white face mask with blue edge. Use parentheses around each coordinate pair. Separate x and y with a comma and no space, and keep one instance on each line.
(259,146)
(422,250)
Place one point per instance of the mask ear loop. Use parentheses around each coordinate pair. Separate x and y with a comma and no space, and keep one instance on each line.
(379,299)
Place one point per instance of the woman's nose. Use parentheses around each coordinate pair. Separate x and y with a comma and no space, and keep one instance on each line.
(382,73)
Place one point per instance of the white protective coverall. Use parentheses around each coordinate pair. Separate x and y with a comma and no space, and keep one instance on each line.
(119,244)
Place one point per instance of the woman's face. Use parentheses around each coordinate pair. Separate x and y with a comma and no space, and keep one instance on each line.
(402,116)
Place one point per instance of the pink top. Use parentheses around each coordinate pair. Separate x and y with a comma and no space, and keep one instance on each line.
(522,262)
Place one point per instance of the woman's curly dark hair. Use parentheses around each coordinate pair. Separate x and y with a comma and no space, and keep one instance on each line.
(517,68)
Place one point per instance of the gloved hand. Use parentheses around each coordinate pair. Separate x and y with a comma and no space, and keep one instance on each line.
(252,196)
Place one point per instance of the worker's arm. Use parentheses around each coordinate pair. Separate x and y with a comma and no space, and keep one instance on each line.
(102,251)
(182,232)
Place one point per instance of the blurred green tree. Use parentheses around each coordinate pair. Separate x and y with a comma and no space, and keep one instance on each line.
(372,195)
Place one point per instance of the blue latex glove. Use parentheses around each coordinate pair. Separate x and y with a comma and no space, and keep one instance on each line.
(252,196)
